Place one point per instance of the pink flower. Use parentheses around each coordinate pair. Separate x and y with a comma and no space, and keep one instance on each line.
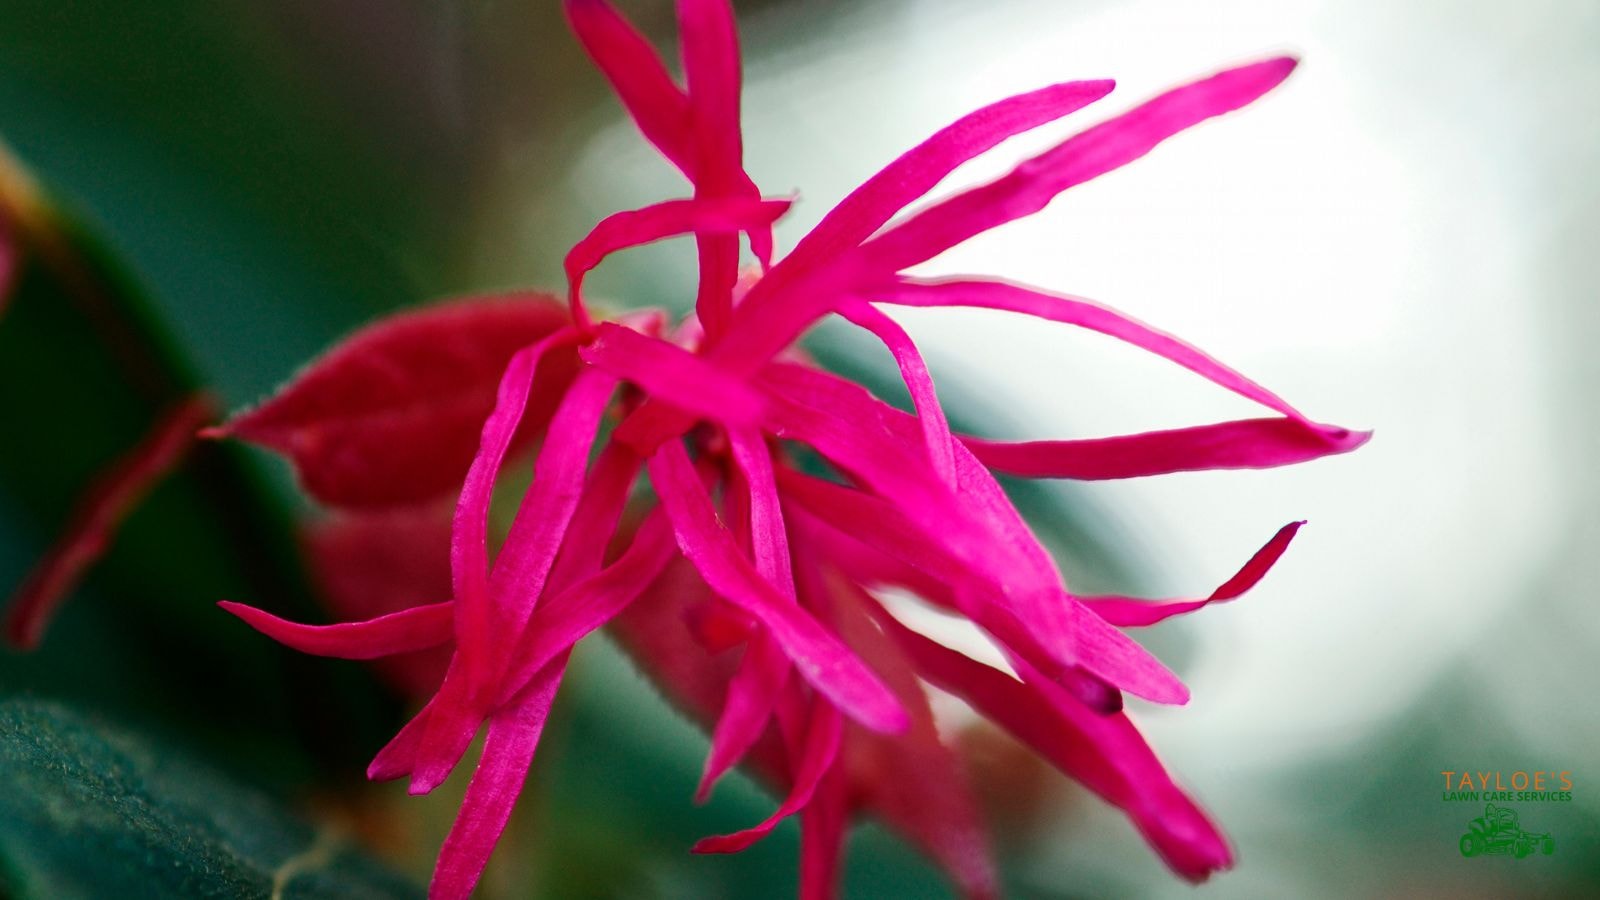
(740,548)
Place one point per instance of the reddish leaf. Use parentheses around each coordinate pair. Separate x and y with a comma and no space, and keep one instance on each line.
(100,512)
(373,564)
(391,415)
(10,259)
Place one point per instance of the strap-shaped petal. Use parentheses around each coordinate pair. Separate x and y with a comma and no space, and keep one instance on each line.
(654,101)
(822,831)
(768,320)
(1087,155)
(561,621)
(1068,310)
(924,397)
(408,630)
(507,753)
(821,748)
(469,546)
(519,577)
(1244,444)
(711,68)
(1103,752)
(978,528)
(1130,612)
(817,655)
(764,668)
(675,375)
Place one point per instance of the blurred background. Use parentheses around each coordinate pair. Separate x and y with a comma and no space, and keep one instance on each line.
(1400,238)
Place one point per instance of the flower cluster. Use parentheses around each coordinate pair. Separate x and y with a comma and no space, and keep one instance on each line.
(738,546)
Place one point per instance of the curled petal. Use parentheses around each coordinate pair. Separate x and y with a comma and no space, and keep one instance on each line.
(819,656)
(1089,154)
(406,631)
(1127,612)
(632,228)
(1245,444)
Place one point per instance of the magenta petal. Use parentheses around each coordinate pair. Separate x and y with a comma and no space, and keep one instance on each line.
(594,523)
(507,752)
(752,693)
(772,316)
(769,540)
(632,228)
(1103,752)
(823,733)
(519,572)
(397,758)
(524,562)
(819,656)
(1127,612)
(641,82)
(451,722)
(408,630)
(924,397)
(1245,444)
(674,374)
(1091,153)
(920,169)
(469,545)
(822,829)
(1001,295)
(561,621)
(980,529)
(1065,641)
(763,670)
(711,67)
(913,782)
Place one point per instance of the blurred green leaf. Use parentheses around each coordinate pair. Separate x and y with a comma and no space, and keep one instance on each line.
(86,365)
(87,811)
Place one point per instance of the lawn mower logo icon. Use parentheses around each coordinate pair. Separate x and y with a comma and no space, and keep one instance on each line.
(1497,831)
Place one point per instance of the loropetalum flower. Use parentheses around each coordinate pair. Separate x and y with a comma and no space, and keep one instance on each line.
(742,583)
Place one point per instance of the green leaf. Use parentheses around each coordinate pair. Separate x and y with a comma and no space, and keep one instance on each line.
(88,811)
(86,365)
